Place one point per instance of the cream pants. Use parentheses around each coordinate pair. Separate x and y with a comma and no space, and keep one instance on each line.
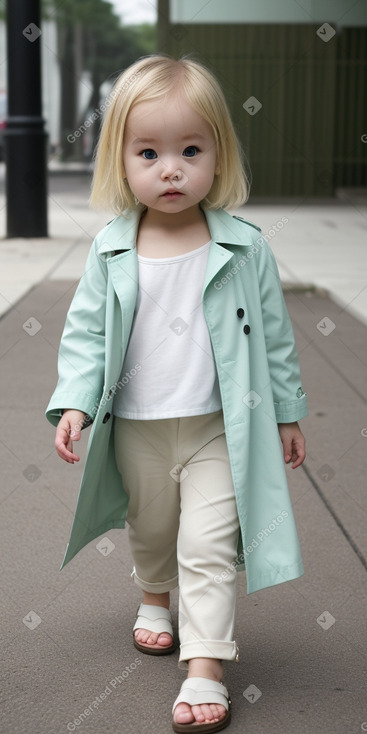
(183,523)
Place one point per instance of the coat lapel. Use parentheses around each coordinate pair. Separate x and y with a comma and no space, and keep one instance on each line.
(218,257)
(121,236)
(125,276)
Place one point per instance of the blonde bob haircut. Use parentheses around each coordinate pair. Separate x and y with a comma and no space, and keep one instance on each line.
(153,77)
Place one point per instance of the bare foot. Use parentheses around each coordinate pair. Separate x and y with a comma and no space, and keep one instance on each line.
(206,713)
(153,639)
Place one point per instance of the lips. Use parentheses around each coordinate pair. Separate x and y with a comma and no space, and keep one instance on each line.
(171,192)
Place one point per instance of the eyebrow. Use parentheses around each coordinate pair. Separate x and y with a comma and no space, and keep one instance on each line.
(190,136)
(143,140)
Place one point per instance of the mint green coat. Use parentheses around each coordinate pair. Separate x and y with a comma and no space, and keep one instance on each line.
(258,373)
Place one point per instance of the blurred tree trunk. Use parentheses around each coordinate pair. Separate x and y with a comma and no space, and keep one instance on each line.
(71,54)
(90,39)
(78,72)
(95,98)
(68,96)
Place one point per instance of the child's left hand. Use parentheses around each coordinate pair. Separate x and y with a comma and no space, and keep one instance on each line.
(293,442)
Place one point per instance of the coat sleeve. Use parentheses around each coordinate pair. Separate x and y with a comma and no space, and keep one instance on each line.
(81,359)
(290,401)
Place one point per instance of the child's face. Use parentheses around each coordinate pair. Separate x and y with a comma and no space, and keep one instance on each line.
(169,154)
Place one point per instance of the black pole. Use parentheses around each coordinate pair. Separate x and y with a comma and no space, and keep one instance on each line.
(25,136)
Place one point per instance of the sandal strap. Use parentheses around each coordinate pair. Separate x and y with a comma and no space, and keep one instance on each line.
(154,619)
(195,691)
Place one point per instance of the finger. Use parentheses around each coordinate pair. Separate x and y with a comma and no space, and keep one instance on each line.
(298,457)
(72,433)
(67,455)
(287,450)
(64,446)
(75,433)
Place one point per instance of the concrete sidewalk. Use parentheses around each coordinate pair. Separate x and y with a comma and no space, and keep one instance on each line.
(67,637)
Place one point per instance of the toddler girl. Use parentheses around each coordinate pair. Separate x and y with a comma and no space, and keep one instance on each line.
(179,351)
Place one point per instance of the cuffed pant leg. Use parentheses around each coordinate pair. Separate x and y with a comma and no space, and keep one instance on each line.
(202,539)
(206,551)
(154,501)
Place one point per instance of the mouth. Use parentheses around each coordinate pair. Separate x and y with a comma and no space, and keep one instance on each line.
(171,193)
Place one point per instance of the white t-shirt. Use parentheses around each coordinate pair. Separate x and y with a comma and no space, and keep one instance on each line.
(169,368)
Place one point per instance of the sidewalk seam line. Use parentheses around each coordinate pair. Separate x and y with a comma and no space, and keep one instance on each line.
(336,518)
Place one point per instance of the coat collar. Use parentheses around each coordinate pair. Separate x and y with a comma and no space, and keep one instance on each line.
(120,234)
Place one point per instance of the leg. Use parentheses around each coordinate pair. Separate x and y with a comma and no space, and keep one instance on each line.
(153,513)
(206,548)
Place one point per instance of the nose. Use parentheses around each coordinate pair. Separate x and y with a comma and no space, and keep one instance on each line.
(170,170)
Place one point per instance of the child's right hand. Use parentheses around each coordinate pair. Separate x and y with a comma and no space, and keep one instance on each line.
(67,431)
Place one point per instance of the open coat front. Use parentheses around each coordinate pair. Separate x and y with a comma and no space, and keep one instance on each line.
(259,377)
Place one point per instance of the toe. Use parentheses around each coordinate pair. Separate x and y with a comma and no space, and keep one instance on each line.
(218,711)
(183,714)
(198,713)
(165,639)
(208,712)
(144,636)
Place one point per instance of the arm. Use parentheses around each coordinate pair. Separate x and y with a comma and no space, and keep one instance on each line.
(290,401)
(81,359)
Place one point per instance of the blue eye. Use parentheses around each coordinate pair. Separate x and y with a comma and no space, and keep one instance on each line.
(190,151)
(149,154)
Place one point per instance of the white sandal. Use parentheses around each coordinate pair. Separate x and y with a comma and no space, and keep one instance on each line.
(195,691)
(154,619)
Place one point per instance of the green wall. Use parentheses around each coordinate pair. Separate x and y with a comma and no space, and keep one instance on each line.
(306,138)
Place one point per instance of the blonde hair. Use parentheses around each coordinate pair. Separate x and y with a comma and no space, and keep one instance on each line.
(149,78)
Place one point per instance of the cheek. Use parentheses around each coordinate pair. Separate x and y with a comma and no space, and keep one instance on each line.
(210,165)
(131,170)
(211,170)
(139,181)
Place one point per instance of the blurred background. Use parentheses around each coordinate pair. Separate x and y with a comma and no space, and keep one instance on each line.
(293,71)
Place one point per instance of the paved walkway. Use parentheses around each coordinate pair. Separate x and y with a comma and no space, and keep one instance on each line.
(69,662)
